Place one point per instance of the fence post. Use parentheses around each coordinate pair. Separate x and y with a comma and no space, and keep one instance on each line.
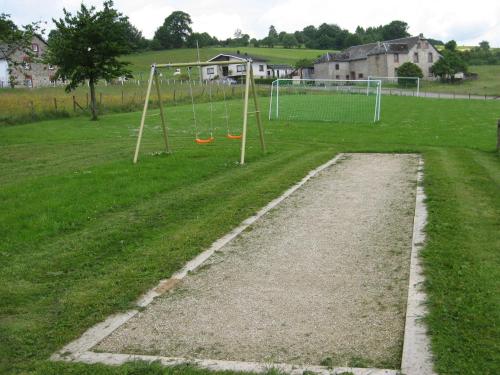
(55,103)
(100,98)
(122,97)
(498,135)
(87,96)
(74,104)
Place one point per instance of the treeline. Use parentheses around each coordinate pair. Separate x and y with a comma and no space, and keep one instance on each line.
(176,32)
(481,55)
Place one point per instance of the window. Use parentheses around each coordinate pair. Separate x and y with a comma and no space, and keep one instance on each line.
(360,75)
(240,68)
(415,57)
(337,66)
(35,48)
(430,57)
(337,77)
(51,67)
(28,81)
(26,63)
(396,57)
(210,70)
(261,68)
(347,76)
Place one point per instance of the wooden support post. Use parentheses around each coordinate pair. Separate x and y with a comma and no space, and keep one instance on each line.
(87,101)
(143,118)
(257,111)
(122,96)
(162,116)
(498,135)
(74,104)
(245,114)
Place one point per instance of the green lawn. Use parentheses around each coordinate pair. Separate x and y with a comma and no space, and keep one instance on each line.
(85,232)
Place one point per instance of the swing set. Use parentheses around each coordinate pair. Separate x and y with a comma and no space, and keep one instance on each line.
(249,86)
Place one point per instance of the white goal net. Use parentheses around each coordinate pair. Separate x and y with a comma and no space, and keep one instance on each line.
(325,100)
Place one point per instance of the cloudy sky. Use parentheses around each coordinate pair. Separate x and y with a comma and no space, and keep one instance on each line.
(440,19)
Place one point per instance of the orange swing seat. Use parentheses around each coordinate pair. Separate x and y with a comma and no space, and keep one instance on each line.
(232,136)
(204,141)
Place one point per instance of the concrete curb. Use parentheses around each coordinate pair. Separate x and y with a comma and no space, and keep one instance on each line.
(417,359)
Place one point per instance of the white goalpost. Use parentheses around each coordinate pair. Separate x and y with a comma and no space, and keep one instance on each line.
(332,100)
(405,83)
(249,90)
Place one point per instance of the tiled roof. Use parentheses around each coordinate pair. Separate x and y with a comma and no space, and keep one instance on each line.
(401,45)
(237,56)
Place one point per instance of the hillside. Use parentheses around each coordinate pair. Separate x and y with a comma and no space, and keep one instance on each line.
(141,61)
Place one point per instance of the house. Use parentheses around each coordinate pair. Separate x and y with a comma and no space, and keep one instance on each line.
(380,59)
(305,72)
(279,71)
(234,71)
(25,73)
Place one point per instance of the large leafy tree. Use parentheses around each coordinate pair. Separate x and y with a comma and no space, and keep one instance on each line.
(85,47)
(408,69)
(448,65)
(395,30)
(175,30)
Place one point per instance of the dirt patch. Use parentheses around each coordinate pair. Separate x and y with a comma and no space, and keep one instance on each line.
(323,276)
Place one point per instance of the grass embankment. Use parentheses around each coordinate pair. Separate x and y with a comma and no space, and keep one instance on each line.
(85,232)
(488,83)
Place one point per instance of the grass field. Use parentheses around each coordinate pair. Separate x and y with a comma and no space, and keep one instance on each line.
(85,232)
(26,105)
(488,83)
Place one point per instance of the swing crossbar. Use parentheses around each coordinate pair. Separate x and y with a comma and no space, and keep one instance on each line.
(205,63)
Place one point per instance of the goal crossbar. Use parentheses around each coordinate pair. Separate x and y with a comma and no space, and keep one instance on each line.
(344,83)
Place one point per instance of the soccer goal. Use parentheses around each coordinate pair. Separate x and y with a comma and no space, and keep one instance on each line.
(331,100)
(410,85)
(204,136)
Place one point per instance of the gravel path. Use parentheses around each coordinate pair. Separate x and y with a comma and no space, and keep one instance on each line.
(324,275)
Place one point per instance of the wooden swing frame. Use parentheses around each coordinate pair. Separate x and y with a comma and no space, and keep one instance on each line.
(249,85)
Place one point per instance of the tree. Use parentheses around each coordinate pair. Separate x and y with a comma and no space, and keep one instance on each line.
(272,32)
(135,38)
(85,47)
(289,41)
(272,37)
(15,38)
(484,45)
(303,63)
(451,45)
(204,40)
(408,69)
(174,31)
(448,65)
(395,30)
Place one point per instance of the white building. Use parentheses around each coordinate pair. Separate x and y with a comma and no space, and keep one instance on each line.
(210,72)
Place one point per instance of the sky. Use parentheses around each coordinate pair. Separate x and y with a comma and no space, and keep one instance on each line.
(439,19)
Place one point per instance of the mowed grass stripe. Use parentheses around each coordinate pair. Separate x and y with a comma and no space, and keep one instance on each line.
(461,261)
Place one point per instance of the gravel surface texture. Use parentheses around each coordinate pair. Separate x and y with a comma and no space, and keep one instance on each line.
(324,275)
